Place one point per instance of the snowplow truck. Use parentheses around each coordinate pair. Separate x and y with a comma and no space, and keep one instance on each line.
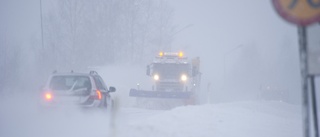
(174,77)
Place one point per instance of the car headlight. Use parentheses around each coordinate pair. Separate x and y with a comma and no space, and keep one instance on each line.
(156,77)
(184,77)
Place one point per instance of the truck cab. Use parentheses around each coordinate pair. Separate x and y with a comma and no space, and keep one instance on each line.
(171,72)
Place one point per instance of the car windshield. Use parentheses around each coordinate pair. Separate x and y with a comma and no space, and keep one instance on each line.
(70,82)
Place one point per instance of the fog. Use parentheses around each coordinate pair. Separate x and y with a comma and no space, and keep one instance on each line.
(244,47)
(247,52)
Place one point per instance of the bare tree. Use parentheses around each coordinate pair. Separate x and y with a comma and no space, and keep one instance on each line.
(101,32)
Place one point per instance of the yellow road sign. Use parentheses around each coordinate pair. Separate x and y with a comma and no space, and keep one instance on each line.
(300,12)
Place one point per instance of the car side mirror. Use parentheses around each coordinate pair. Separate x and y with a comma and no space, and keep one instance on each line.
(112,89)
(194,72)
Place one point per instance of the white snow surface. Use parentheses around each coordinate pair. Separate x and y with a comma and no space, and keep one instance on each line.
(235,119)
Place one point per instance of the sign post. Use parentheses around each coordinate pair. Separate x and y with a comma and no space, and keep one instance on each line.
(302,13)
(314,106)
(304,73)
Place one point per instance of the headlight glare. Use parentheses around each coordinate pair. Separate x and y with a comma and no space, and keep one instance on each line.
(184,77)
(156,77)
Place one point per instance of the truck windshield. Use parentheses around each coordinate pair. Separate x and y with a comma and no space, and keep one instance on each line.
(170,70)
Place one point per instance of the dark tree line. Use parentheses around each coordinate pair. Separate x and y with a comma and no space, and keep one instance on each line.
(81,33)
(102,32)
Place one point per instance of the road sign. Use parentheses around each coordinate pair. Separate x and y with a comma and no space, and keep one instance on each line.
(299,12)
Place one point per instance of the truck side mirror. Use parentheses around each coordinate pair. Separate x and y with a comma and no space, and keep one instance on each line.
(148,70)
(194,71)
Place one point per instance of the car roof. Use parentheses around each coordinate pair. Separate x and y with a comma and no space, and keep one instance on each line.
(71,74)
(91,73)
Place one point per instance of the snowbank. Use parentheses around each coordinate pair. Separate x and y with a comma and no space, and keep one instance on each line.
(239,119)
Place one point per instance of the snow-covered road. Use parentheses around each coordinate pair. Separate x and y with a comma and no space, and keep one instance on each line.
(236,119)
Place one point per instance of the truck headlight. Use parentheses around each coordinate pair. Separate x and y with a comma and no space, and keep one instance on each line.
(156,77)
(184,77)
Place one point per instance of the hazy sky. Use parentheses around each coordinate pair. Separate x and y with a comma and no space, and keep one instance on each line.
(240,43)
(222,31)
(20,18)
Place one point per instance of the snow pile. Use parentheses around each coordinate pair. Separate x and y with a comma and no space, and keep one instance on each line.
(242,119)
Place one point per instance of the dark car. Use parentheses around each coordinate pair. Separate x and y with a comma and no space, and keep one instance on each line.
(76,89)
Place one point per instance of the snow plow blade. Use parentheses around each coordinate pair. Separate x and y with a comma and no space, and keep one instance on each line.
(160,94)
